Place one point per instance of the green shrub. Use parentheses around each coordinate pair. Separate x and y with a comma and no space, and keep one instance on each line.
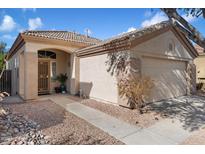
(62,78)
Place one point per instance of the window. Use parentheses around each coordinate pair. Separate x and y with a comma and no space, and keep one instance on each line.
(46,54)
(15,63)
(53,70)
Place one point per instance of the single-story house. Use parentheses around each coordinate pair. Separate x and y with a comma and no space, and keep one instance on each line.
(160,51)
(200,64)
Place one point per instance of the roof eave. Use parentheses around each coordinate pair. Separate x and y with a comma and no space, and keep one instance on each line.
(126,42)
(187,42)
(65,42)
(17,41)
(138,40)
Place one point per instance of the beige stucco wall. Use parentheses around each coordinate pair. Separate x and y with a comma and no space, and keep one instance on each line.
(74,74)
(24,79)
(11,66)
(31,75)
(200,68)
(159,46)
(96,82)
(14,65)
(35,46)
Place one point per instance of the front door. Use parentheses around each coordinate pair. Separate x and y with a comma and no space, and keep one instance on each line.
(43,76)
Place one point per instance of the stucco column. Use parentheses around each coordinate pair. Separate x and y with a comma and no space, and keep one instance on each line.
(74,75)
(30,75)
(191,78)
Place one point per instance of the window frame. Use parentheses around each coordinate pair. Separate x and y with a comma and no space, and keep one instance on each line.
(51,69)
(47,54)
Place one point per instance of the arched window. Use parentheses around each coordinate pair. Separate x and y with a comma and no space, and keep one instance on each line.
(46,54)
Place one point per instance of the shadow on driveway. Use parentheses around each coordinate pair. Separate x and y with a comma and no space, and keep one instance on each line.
(190,110)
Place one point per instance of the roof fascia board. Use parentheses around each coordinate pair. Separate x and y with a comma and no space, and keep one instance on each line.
(52,41)
(16,43)
(133,43)
(183,40)
(149,36)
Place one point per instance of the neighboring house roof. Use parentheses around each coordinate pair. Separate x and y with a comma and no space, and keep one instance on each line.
(63,36)
(200,50)
(124,41)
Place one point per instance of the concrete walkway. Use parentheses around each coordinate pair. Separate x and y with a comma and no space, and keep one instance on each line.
(164,132)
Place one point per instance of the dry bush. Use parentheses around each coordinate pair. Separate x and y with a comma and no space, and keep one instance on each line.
(136,89)
(199,86)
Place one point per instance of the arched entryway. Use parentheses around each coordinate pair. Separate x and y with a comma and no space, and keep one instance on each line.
(46,60)
(51,63)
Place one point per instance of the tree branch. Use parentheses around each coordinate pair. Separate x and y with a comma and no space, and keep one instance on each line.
(190,31)
(203,12)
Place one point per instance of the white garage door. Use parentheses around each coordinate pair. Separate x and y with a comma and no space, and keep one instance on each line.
(169,77)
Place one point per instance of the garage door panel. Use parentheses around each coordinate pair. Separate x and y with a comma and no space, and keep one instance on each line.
(169,77)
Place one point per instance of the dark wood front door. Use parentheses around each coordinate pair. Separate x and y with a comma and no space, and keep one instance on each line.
(43,77)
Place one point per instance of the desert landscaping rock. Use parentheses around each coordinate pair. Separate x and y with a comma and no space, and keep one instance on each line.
(130,116)
(16,129)
(57,126)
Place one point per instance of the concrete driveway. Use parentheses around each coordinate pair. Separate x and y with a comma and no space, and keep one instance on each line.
(189,110)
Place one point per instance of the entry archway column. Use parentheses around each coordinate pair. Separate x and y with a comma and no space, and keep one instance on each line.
(74,76)
(30,75)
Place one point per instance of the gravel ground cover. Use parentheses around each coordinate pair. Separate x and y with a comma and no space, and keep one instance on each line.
(58,126)
(131,116)
(16,129)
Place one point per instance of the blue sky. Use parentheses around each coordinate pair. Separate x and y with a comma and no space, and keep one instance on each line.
(102,23)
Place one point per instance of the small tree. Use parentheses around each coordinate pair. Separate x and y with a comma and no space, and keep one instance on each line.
(136,89)
(1,61)
(2,54)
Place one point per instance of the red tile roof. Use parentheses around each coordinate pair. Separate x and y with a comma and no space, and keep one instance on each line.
(63,35)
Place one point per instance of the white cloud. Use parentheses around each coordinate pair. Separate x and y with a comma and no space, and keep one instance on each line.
(7,24)
(158,17)
(130,29)
(189,18)
(8,37)
(29,9)
(35,23)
